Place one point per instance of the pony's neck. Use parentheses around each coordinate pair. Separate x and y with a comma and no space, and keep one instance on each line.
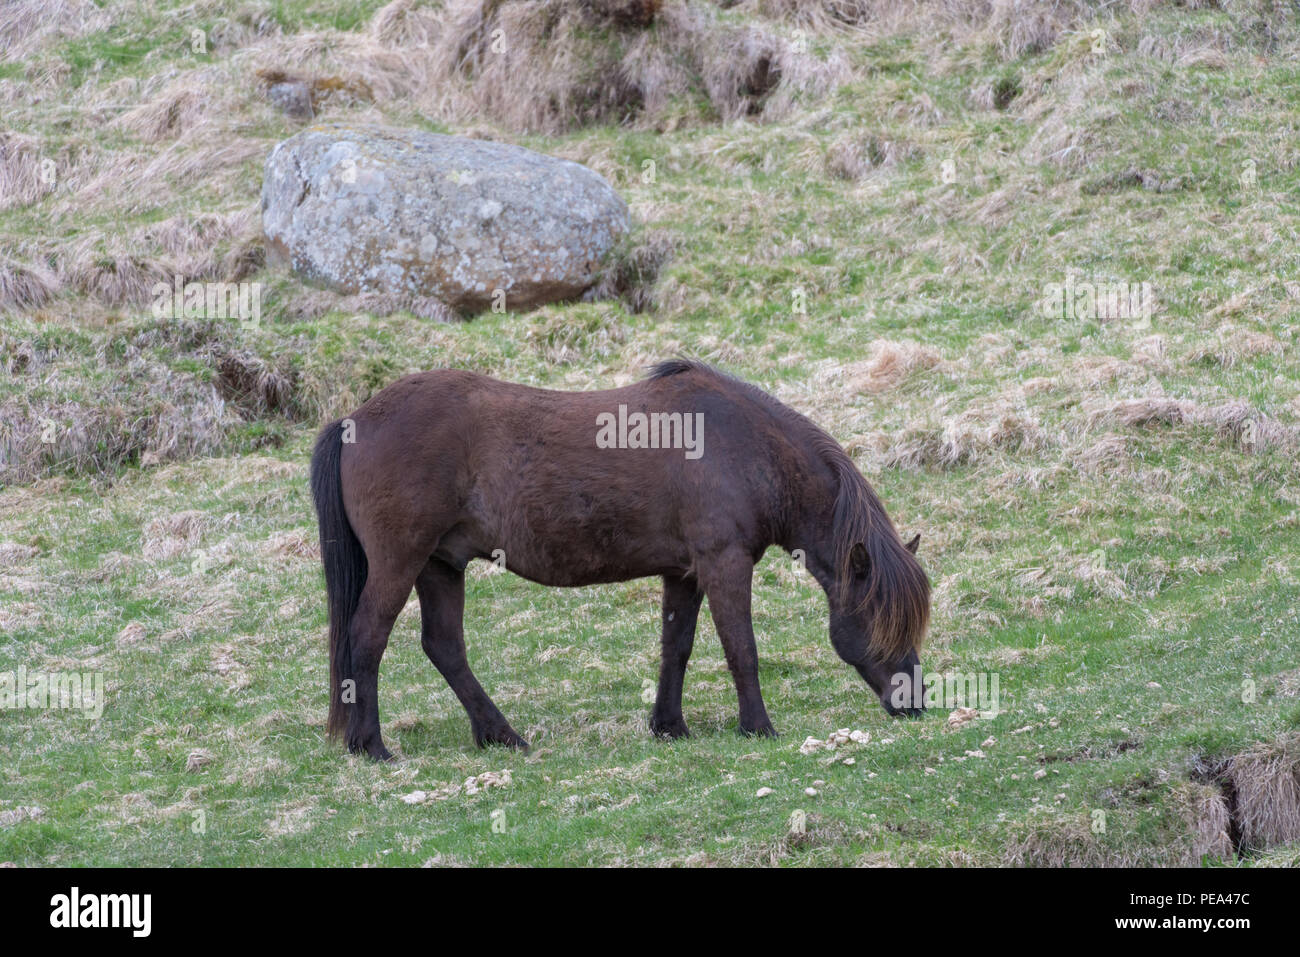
(810,531)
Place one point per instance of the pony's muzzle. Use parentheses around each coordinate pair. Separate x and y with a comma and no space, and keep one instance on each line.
(901,689)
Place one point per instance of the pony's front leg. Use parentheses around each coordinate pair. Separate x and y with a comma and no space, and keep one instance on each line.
(681,607)
(727,581)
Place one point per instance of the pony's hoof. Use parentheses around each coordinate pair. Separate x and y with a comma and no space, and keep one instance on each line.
(373,750)
(764,730)
(669,727)
(504,736)
(907,713)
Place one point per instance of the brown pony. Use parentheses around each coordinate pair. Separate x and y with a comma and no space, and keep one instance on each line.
(689,475)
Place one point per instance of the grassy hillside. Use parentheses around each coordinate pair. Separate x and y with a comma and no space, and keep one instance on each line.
(859,206)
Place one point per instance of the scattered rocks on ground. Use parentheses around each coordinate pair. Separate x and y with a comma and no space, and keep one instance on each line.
(471,785)
(843,736)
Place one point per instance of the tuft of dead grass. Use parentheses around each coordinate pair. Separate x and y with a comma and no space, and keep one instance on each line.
(178,109)
(123,423)
(852,157)
(1201,828)
(23,180)
(253,384)
(1063,842)
(1235,344)
(167,536)
(1264,786)
(631,272)
(1237,422)
(28,25)
(987,428)
(26,286)
(891,363)
(404,23)
(1209,821)
(552,65)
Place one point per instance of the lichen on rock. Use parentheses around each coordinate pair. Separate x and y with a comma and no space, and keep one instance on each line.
(476,224)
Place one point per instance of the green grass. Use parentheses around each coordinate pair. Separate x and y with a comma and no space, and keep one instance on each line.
(1124,581)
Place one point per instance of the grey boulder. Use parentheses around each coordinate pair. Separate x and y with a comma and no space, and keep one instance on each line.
(476,224)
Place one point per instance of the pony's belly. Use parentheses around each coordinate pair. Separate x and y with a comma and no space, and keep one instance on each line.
(566,572)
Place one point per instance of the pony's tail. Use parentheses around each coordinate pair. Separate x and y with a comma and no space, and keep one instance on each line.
(898,590)
(345,564)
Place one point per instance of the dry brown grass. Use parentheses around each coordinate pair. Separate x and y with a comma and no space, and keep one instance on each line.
(1013,27)
(1235,344)
(1236,422)
(551,65)
(178,109)
(631,273)
(254,384)
(27,25)
(21,180)
(998,426)
(167,536)
(891,363)
(68,426)
(854,156)
(1060,842)
(1069,841)
(1265,792)
(1210,821)
(25,286)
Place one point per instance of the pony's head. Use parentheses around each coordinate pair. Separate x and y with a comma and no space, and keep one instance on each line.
(878,621)
(879,596)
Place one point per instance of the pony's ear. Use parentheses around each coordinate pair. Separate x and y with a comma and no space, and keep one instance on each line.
(859,559)
(914,544)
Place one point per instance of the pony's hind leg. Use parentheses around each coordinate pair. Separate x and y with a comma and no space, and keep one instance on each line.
(727,580)
(681,607)
(382,600)
(442,605)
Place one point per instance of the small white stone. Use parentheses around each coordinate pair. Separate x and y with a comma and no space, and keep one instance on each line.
(762,792)
(959,716)
(811,792)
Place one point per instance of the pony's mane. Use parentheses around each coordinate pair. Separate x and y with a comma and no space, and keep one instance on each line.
(898,595)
